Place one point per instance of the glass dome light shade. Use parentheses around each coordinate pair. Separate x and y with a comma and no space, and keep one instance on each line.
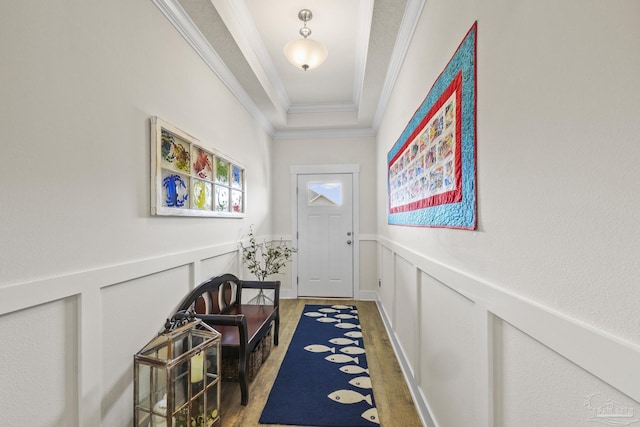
(305,53)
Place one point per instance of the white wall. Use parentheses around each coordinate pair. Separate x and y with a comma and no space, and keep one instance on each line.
(538,308)
(326,151)
(87,276)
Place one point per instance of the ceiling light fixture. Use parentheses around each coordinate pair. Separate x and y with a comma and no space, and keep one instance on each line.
(304,52)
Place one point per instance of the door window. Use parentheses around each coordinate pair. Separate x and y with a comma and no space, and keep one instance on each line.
(324,194)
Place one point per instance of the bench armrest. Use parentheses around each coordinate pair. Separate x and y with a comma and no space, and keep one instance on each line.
(237,320)
(223,319)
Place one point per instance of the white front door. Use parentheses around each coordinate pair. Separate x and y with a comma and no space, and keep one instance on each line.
(325,235)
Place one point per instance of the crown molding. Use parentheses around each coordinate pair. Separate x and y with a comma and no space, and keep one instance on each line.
(407,28)
(324,133)
(362,47)
(237,17)
(189,31)
(323,108)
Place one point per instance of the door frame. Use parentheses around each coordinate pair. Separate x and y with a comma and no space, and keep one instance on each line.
(354,170)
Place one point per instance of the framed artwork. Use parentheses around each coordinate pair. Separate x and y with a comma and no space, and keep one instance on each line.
(191,179)
(432,166)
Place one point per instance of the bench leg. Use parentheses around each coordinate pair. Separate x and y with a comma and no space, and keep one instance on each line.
(276,329)
(242,376)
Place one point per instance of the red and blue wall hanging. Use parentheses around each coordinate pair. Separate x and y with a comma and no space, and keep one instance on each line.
(432,166)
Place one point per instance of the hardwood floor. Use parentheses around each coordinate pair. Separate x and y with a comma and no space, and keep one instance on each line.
(393,400)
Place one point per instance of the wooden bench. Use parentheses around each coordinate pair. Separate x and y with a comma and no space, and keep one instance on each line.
(218,302)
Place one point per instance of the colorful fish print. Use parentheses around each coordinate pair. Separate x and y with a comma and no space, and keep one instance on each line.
(341,358)
(329,310)
(371,414)
(354,369)
(319,348)
(347,326)
(315,314)
(361,382)
(349,396)
(345,316)
(353,334)
(352,350)
(327,320)
(343,341)
(342,307)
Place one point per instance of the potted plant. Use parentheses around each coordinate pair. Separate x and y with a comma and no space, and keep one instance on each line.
(265,259)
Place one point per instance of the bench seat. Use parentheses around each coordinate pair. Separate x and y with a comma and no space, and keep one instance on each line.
(255,316)
(217,302)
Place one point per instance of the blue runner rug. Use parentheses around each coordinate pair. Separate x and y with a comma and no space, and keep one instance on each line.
(324,377)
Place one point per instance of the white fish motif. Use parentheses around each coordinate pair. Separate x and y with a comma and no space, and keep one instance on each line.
(345,316)
(319,348)
(354,369)
(352,350)
(354,311)
(346,325)
(328,310)
(353,334)
(361,382)
(349,396)
(342,307)
(341,358)
(343,341)
(327,320)
(315,314)
(371,414)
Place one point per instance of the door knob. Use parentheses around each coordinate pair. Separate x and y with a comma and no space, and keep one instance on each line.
(348,233)
(348,242)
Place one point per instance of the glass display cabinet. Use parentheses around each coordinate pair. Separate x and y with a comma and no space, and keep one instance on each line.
(176,376)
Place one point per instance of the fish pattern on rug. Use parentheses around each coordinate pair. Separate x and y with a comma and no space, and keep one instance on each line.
(324,377)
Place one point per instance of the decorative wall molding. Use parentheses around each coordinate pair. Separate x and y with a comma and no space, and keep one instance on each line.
(601,354)
(609,358)
(86,287)
(24,295)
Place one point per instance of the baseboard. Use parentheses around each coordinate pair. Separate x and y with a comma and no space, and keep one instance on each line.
(287,294)
(367,296)
(362,295)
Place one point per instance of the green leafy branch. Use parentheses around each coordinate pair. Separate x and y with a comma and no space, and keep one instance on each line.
(265,259)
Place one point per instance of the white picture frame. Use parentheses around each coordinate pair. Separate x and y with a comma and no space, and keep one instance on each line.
(189,178)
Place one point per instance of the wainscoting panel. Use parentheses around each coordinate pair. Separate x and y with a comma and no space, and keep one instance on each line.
(387,284)
(489,358)
(38,360)
(536,384)
(133,312)
(368,273)
(446,353)
(406,308)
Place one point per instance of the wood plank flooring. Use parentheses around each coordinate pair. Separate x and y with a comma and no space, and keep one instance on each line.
(393,400)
